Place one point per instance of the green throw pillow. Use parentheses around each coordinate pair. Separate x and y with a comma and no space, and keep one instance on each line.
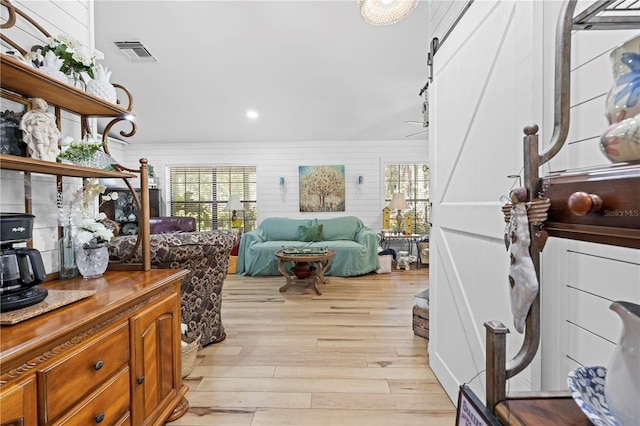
(310,233)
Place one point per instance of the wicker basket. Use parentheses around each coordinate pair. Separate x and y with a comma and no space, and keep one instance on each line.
(190,352)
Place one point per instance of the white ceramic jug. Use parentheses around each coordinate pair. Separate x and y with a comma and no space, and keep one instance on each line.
(621,141)
(622,383)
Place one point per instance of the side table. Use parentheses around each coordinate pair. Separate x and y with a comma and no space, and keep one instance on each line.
(300,260)
(410,239)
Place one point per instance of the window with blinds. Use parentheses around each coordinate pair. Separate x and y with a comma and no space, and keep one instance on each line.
(412,180)
(203,191)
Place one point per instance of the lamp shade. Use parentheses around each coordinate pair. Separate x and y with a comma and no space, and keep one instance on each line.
(385,12)
(398,202)
(234,203)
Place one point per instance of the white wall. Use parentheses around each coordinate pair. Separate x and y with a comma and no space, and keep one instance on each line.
(469,265)
(74,18)
(275,159)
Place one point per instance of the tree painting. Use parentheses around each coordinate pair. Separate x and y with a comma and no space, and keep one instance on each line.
(321,188)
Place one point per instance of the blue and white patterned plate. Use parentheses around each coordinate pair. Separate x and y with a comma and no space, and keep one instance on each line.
(587,389)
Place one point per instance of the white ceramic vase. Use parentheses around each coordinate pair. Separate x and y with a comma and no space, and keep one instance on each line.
(621,141)
(622,383)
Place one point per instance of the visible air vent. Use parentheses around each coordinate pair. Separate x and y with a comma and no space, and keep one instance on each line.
(135,51)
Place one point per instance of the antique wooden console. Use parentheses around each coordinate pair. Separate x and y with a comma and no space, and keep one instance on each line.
(113,357)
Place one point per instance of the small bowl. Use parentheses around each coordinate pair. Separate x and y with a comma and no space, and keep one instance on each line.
(587,389)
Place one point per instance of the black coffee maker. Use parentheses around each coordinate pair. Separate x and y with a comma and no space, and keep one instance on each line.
(21,268)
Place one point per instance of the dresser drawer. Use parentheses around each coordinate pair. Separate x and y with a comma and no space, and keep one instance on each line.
(597,205)
(75,376)
(109,405)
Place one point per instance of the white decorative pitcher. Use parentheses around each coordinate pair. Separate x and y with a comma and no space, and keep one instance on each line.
(622,383)
(621,141)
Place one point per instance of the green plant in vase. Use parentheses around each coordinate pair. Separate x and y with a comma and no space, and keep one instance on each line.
(87,154)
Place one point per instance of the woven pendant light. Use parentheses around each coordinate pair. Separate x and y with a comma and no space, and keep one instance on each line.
(385,12)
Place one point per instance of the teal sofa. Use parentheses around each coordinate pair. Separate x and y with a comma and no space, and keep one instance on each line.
(356,245)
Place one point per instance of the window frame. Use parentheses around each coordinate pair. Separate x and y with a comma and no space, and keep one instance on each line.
(213,200)
(420,226)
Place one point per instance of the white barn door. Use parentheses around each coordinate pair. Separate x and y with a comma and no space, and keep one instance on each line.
(486,88)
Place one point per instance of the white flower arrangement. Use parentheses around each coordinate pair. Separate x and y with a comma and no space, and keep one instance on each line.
(76,56)
(87,227)
(92,232)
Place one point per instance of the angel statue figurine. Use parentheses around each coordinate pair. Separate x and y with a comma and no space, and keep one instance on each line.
(39,131)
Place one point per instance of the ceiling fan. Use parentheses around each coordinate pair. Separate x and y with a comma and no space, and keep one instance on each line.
(420,123)
(425,117)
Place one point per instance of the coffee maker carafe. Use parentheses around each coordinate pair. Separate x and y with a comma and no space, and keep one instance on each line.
(21,268)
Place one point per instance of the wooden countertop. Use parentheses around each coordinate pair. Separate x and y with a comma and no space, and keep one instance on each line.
(541,412)
(114,291)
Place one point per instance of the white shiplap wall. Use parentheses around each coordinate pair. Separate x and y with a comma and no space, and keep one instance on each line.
(275,159)
(74,18)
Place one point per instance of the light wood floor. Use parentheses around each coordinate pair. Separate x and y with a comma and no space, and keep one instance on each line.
(348,357)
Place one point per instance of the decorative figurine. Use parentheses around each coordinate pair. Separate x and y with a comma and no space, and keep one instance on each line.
(39,131)
(51,67)
(522,275)
(403,261)
(100,85)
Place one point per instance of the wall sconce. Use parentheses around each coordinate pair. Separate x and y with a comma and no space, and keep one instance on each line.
(359,181)
(283,188)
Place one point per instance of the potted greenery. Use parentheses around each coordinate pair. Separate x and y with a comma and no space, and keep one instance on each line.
(87,154)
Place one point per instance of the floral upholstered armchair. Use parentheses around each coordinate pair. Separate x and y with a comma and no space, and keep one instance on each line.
(206,256)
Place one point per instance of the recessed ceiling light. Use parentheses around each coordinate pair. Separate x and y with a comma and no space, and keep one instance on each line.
(252,114)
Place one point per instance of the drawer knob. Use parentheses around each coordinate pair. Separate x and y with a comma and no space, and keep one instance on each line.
(99,418)
(580,203)
(98,365)
(140,380)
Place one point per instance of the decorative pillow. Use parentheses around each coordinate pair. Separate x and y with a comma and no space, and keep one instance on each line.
(310,233)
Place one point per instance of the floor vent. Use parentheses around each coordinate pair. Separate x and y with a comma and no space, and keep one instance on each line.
(135,51)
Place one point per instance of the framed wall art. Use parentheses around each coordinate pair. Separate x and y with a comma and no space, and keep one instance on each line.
(322,188)
(12,107)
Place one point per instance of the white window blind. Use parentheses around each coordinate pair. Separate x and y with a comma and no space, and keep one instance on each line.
(412,180)
(203,191)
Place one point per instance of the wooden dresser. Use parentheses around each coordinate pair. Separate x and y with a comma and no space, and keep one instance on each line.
(113,358)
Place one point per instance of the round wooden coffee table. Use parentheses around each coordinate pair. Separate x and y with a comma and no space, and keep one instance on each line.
(303,269)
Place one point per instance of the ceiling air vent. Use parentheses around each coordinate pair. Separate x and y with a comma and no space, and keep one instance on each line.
(135,51)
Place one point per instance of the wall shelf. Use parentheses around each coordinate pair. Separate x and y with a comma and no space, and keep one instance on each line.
(27,81)
(609,15)
(11,162)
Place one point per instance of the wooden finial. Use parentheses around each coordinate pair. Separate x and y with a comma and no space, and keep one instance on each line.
(531,129)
